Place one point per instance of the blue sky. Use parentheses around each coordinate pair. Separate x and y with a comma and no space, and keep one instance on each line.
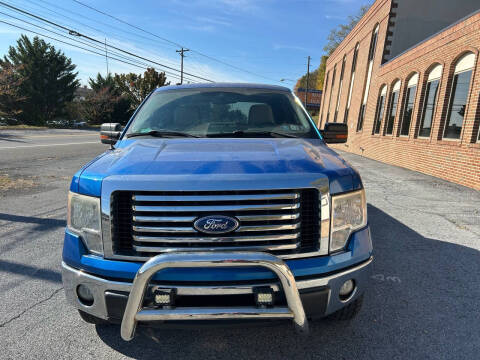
(271,39)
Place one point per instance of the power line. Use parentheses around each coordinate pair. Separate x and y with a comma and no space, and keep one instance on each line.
(129,60)
(109,26)
(76,33)
(65,16)
(97,30)
(126,23)
(58,34)
(172,42)
(46,29)
(82,48)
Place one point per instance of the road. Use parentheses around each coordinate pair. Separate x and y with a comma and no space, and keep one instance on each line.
(422,302)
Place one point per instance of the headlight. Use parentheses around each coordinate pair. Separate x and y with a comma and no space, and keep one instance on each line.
(83,218)
(349,213)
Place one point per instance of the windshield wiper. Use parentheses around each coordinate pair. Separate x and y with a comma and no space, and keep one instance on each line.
(161,133)
(252,134)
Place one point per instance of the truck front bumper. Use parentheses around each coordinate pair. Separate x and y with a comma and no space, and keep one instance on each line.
(114,300)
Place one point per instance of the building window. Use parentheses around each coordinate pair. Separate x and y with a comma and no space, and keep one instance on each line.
(459,96)
(326,82)
(431,95)
(352,81)
(340,88)
(373,44)
(331,91)
(392,113)
(371,56)
(361,117)
(324,96)
(409,105)
(380,110)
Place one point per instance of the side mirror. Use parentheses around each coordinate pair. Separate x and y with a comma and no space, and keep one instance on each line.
(335,133)
(110,132)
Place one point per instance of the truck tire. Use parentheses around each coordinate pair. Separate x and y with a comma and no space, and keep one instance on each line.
(91,319)
(348,312)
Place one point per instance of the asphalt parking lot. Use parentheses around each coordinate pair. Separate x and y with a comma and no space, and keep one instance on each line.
(423,301)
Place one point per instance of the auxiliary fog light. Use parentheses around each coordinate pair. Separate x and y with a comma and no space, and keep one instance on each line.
(347,289)
(264,296)
(85,295)
(164,297)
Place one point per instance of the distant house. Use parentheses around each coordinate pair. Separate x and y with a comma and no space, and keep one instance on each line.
(81,93)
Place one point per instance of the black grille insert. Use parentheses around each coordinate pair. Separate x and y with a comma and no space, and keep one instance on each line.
(123,204)
(310,215)
(121,208)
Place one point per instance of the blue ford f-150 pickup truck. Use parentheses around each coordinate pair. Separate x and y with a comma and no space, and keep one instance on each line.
(219,203)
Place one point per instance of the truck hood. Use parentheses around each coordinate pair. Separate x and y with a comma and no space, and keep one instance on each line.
(188,156)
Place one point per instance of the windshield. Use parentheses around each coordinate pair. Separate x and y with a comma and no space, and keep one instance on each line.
(223,112)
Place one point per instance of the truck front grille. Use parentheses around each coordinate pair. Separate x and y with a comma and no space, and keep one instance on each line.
(281,222)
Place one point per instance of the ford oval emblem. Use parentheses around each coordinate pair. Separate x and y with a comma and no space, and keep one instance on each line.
(216,224)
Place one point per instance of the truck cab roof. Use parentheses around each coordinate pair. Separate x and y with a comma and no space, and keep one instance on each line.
(223,86)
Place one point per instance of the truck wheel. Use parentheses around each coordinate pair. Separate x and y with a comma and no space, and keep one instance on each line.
(91,319)
(348,312)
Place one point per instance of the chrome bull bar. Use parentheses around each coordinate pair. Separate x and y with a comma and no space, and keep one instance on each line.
(134,311)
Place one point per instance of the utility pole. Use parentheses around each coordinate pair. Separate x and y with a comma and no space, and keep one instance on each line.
(181,52)
(106,55)
(308,79)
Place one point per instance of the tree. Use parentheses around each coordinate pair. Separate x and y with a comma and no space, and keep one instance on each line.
(48,79)
(11,98)
(99,106)
(102,82)
(312,82)
(136,88)
(114,98)
(106,89)
(337,35)
(321,72)
(105,105)
(316,77)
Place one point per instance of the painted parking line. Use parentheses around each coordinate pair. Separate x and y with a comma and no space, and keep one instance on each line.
(44,145)
(52,136)
(57,136)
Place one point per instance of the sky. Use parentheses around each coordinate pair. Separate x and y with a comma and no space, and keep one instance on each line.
(261,41)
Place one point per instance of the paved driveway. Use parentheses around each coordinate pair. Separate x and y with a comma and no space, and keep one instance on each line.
(423,301)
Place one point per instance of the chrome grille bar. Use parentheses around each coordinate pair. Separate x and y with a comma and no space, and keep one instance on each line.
(141,218)
(294,216)
(213,208)
(232,239)
(262,217)
(233,197)
(269,227)
(157,249)
(168,229)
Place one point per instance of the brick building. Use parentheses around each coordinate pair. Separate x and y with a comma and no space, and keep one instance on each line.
(313,99)
(407,82)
